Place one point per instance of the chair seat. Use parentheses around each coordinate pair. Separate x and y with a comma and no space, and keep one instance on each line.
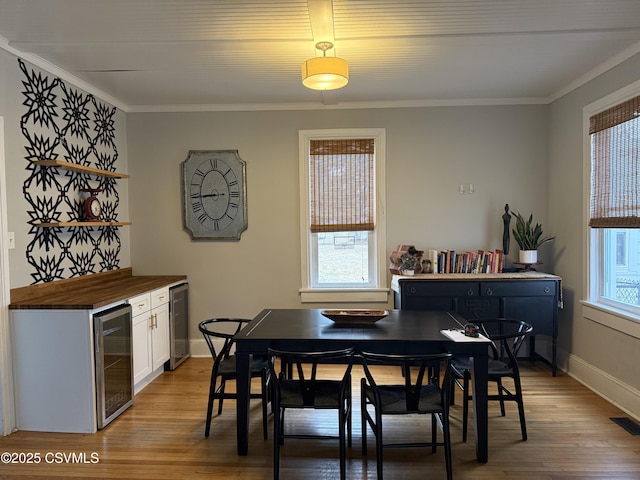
(325,394)
(228,367)
(496,368)
(393,399)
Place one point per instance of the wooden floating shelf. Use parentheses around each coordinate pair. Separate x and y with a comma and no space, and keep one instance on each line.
(74,167)
(82,224)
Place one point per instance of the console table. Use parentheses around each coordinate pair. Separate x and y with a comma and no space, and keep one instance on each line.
(530,296)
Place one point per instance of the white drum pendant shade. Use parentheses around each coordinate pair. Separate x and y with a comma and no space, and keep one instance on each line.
(325,73)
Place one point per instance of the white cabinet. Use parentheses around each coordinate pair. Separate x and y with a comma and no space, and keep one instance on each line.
(161,348)
(151,347)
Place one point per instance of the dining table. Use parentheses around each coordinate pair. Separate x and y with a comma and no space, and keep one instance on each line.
(398,332)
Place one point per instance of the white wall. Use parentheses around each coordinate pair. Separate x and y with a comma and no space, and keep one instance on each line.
(430,151)
(601,357)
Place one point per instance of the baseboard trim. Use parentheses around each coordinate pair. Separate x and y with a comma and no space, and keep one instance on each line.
(623,396)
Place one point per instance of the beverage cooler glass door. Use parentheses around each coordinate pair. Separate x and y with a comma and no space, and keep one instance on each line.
(114,363)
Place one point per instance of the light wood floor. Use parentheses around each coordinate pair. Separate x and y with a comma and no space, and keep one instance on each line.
(162,437)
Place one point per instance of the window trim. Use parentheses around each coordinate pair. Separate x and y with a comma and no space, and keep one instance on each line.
(378,293)
(602,313)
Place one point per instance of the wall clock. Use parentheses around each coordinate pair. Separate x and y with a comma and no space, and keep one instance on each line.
(214,194)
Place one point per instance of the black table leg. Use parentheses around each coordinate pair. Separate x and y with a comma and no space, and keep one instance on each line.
(243,385)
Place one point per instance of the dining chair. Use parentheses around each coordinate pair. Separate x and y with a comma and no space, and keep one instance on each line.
(216,330)
(313,388)
(421,394)
(507,336)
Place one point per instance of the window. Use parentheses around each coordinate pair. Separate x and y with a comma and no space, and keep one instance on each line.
(614,205)
(342,215)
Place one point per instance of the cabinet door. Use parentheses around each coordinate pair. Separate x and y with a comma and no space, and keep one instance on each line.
(534,302)
(141,346)
(160,335)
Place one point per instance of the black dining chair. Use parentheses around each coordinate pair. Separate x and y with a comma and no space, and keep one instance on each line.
(421,394)
(216,330)
(311,389)
(507,336)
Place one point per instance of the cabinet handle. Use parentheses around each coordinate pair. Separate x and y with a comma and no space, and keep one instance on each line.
(155,320)
(470,292)
(547,289)
(489,291)
(412,290)
(161,297)
(151,321)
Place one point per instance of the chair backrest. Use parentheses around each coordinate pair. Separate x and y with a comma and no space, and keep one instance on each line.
(224,329)
(505,334)
(311,360)
(427,366)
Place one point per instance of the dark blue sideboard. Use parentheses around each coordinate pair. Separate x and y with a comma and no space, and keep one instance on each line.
(530,296)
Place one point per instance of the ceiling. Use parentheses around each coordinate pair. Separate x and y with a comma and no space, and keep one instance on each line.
(146,55)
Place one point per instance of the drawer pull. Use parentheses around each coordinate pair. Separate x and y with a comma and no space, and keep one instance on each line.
(412,290)
(489,291)
(547,289)
(470,292)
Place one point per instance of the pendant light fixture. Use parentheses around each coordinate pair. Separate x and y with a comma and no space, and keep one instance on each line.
(325,73)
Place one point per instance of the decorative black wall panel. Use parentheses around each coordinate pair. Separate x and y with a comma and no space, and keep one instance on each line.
(62,123)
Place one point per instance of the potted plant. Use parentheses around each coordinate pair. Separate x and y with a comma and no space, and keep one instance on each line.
(529,238)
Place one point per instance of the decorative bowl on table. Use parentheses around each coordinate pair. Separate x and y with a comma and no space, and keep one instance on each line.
(358,316)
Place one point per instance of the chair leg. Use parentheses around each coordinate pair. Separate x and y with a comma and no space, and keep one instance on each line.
(446,433)
(342,430)
(221,398)
(277,433)
(465,405)
(378,433)
(363,418)
(265,400)
(523,423)
(212,390)
(434,432)
(500,394)
(349,418)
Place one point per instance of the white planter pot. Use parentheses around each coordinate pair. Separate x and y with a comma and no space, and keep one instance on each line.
(528,256)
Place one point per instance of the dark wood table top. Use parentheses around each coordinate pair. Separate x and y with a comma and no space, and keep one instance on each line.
(402,331)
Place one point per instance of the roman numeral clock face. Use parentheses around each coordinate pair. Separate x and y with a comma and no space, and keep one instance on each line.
(214,194)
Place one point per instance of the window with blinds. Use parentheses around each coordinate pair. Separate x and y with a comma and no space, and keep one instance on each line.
(342,185)
(615,166)
(343,233)
(614,202)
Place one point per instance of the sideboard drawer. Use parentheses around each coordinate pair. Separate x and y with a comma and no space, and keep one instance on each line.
(442,289)
(519,289)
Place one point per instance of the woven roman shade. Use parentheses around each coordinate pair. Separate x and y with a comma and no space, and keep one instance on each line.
(615,166)
(342,185)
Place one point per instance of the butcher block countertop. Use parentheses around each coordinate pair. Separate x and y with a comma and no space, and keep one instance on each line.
(88,292)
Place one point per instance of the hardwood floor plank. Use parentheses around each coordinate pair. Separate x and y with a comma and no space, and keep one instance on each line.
(571,437)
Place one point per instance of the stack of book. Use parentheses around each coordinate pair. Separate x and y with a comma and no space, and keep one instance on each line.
(482,261)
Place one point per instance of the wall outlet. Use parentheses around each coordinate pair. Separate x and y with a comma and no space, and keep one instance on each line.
(11,240)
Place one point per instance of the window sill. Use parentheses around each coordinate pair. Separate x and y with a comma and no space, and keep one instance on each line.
(619,320)
(326,295)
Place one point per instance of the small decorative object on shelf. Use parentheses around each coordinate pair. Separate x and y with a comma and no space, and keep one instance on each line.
(92,208)
(406,260)
(529,238)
